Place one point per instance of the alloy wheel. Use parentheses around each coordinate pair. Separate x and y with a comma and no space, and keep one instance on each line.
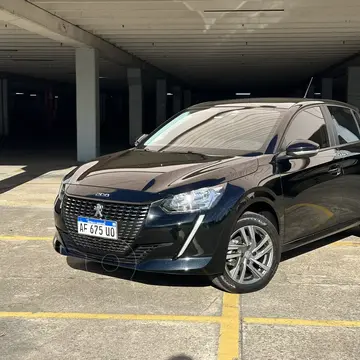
(250,254)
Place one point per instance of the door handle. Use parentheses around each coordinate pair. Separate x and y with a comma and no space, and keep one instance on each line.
(335,170)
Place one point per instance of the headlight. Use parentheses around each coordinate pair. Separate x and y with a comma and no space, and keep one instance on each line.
(196,200)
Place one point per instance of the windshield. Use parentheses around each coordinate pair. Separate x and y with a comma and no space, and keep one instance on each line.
(216,130)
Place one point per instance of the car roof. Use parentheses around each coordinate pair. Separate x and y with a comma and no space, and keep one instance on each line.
(279,103)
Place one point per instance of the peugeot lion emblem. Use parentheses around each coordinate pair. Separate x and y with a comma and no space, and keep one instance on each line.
(98,210)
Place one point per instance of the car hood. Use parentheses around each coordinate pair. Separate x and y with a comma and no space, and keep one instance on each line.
(155,172)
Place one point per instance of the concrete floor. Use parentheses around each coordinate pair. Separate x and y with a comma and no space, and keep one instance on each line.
(53,307)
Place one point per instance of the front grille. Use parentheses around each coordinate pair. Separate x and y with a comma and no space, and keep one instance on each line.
(130,219)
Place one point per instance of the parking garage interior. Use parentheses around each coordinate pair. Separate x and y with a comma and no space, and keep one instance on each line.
(82,78)
(147,60)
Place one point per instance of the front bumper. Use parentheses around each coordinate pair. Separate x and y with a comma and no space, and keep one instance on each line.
(163,243)
(193,265)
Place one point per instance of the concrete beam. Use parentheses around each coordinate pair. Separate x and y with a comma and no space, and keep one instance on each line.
(32,18)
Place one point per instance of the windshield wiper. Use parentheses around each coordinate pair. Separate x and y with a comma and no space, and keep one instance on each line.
(203,155)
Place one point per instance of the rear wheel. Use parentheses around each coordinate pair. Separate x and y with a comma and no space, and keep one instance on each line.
(252,257)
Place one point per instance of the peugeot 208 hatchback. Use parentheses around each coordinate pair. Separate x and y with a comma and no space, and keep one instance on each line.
(221,189)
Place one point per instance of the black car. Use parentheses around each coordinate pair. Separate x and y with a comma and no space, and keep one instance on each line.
(221,189)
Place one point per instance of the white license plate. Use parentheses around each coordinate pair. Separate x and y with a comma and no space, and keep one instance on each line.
(96,227)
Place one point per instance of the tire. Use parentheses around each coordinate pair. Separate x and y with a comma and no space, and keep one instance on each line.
(245,248)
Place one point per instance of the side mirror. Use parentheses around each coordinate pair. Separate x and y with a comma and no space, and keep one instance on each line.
(302,149)
(140,139)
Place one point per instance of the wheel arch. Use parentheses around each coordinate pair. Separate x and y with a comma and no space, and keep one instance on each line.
(263,202)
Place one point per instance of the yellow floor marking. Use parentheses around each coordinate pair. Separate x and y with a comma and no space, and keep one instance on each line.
(48,204)
(230,328)
(25,238)
(94,316)
(229,322)
(346,243)
(301,322)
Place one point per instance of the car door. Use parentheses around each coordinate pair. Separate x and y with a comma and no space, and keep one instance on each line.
(310,185)
(345,122)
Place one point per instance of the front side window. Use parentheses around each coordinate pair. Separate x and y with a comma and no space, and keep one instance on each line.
(309,124)
(216,130)
(346,128)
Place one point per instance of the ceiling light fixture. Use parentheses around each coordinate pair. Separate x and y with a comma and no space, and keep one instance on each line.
(33,95)
(169,94)
(317,93)
(242,94)
(19,93)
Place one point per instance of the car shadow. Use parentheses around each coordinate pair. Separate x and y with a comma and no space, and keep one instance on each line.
(35,162)
(138,276)
(32,165)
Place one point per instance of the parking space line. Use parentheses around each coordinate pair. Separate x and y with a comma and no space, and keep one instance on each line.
(101,316)
(27,205)
(230,321)
(302,322)
(346,243)
(230,328)
(25,238)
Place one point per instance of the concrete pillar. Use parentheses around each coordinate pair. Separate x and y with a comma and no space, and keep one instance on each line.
(161,100)
(135,104)
(88,104)
(177,99)
(4,107)
(327,88)
(187,98)
(353,86)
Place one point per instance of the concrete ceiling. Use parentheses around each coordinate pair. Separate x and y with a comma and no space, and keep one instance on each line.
(25,53)
(222,43)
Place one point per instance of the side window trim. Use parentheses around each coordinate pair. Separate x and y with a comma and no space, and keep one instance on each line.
(333,127)
(327,123)
(357,119)
(334,141)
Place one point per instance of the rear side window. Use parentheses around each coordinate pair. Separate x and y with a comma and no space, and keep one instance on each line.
(346,127)
(309,124)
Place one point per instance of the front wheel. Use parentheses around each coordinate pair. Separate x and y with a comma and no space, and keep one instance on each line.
(252,257)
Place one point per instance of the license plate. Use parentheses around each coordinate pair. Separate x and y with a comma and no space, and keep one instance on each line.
(96,227)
